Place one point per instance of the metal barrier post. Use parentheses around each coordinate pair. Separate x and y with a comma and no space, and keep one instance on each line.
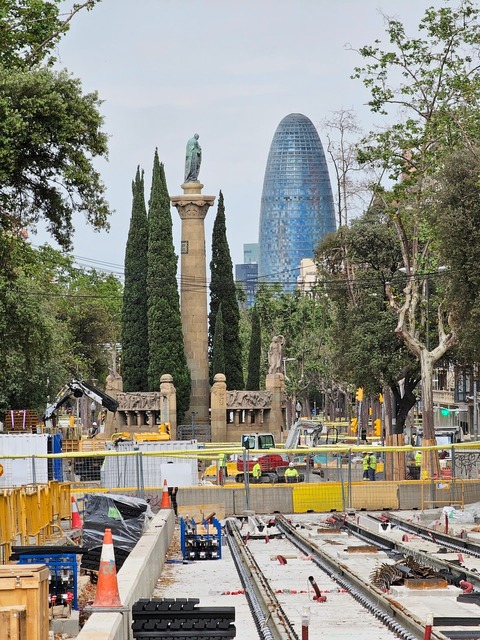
(246,478)
(349,480)
(34,473)
(140,478)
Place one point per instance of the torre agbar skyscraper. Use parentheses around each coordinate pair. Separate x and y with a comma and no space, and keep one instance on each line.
(297,207)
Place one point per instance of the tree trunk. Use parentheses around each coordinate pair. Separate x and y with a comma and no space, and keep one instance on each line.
(430,462)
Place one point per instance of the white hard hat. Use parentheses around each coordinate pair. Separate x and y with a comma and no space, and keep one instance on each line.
(94,424)
(291,464)
(255,459)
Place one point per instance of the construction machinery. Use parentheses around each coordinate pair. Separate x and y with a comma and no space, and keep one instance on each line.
(78,388)
(303,434)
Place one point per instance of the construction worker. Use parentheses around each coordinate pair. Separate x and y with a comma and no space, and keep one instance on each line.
(418,458)
(372,466)
(256,471)
(291,474)
(222,468)
(366,465)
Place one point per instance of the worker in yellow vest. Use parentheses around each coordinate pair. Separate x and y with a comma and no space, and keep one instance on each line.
(291,474)
(418,459)
(366,465)
(372,466)
(256,471)
(222,468)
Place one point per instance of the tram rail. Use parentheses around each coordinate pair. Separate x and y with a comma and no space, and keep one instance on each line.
(328,565)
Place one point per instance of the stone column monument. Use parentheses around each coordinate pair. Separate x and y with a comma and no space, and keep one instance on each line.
(192,207)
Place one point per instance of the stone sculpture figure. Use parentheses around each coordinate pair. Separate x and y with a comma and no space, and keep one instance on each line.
(275,354)
(193,159)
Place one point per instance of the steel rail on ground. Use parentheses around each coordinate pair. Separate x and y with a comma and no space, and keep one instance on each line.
(270,619)
(427,559)
(456,544)
(392,614)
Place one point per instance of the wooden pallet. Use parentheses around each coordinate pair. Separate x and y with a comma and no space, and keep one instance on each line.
(70,446)
(92,445)
(21,420)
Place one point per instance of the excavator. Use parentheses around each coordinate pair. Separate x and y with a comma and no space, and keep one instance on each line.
(78,388)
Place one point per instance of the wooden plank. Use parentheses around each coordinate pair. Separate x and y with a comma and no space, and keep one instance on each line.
(364,549)
(200,511)
(12,622)
(427,583)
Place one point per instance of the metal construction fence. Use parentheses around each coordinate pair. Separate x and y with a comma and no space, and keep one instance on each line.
(143,466)
(31,514)
(33,507)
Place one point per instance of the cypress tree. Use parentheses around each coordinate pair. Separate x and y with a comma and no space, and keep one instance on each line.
(254,353)
(223,291)
(218,354)
(165,335)
(134,308)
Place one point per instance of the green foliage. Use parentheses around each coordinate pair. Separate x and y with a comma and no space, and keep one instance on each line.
(433,82)
(218,355)
(55,323)
(27,335)
(49,133)
(436,83)
(254,353)
(54,319)
(167,350)
(457,237)
(364,346)
(135,347)
(304,323)
(223,291)
(31,29)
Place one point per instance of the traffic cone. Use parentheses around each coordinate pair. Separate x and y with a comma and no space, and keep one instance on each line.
(76,521)
(165,504)
(107,586)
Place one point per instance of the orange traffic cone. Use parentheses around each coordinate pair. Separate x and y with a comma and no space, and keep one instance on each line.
(165,504)
(76,521)
(107,586)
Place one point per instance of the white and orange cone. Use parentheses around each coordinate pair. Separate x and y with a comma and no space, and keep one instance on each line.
(165,504)
(76,521)
(107,586)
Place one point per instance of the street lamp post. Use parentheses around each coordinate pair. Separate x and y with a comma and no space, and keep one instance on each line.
(285,360)
(193,414)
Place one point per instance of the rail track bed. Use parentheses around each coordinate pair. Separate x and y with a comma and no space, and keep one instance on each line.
(335,576)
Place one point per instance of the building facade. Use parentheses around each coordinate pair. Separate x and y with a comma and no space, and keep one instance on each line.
(297,208)
(246,273)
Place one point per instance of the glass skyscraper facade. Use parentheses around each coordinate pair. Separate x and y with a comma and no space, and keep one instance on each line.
(297,207)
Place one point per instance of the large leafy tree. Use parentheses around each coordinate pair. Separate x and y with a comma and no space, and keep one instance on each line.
(56,322)
(135,348)
(50,135)
(223,292)
(50,132)
(434,80)
(457,237)
(367,351)
(165,335)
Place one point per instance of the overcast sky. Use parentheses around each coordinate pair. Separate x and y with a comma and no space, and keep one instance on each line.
(229,71)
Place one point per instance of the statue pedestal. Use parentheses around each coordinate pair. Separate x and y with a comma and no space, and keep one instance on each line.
(275,382)
(192,208)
